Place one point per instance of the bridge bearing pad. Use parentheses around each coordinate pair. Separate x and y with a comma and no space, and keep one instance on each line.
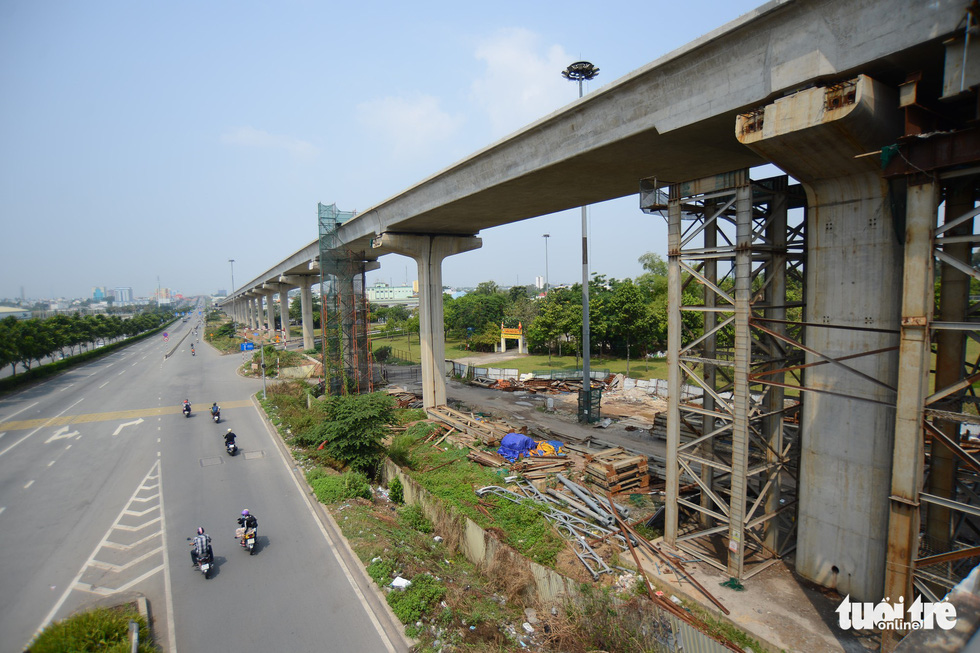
(208,462)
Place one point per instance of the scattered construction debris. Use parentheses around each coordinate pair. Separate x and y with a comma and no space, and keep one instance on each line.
(486,432)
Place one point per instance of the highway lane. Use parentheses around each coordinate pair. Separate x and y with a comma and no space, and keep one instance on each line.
(105,501)
(60,481)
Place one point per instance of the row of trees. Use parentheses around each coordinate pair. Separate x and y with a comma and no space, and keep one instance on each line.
(626,317)
(27,342)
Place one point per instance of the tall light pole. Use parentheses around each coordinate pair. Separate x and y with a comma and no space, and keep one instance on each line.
(232,261)
(582,71)
(546,237)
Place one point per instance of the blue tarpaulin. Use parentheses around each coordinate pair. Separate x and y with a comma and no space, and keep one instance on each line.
(516,445)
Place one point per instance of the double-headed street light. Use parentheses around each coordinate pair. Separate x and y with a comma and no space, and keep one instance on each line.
(546,237)
(583,71)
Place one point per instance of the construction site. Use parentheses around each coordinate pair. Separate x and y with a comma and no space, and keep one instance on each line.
(820,408)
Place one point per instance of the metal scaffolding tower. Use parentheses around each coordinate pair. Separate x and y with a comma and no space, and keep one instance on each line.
(934,527)
(347,362)
(735,302)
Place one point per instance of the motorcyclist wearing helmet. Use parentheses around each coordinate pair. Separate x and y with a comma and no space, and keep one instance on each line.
(247,522)
(202,547)
(215,409)
(229,437)
(186,406)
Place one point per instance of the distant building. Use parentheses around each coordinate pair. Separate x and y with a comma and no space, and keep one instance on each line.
(382,293)
(122,295)
(98,293)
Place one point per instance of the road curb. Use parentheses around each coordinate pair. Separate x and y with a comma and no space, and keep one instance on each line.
(373,595)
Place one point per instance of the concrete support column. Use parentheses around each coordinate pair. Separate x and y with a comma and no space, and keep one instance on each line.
(271,290)
(284,311)
(428,252)
(854,273)
(250,312)
(306,308)
(256,312)
(266,311)
(913,386)
(304,283)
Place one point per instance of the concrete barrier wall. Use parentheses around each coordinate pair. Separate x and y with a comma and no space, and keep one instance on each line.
(477,545)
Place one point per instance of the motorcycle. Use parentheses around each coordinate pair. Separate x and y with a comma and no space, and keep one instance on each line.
(216,417)
(205,564)
(187,411)
(247,539)
(231,448)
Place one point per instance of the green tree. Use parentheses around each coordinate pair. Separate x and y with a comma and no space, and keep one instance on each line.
(559,320)
(34,342)
(9,336)
(517,293)
(474,311)
(487,288)
(354,427)
(631,317)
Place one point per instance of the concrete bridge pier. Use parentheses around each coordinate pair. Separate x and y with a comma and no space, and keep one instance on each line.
(429,252)
(284,311)
(304,283)
(854,289)
(267,312)
(251,311)
(271,290)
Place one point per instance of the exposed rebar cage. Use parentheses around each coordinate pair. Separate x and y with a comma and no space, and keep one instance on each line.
(346,346)
(735,302)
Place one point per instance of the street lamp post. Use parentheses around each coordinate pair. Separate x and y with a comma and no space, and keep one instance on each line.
(582,71)
(232,261)
(546,237)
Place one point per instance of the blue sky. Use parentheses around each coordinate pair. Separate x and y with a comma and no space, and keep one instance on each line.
(159,139)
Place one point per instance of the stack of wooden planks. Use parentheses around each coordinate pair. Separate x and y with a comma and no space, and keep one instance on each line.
(487,458)
(538,467)
(617,470)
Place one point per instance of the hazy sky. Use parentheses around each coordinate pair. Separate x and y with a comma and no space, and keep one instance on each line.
(144,140)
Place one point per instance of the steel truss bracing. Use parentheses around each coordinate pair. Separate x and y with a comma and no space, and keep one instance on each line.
(347,361)
(934,525)
(735,302)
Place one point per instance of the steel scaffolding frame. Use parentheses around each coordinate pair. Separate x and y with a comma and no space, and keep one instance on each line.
(934,525)
(346,346)
(740,443)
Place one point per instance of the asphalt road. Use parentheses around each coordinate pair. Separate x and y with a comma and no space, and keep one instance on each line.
(102,479)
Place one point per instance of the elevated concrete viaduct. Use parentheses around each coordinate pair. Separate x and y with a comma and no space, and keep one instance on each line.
(828,90)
